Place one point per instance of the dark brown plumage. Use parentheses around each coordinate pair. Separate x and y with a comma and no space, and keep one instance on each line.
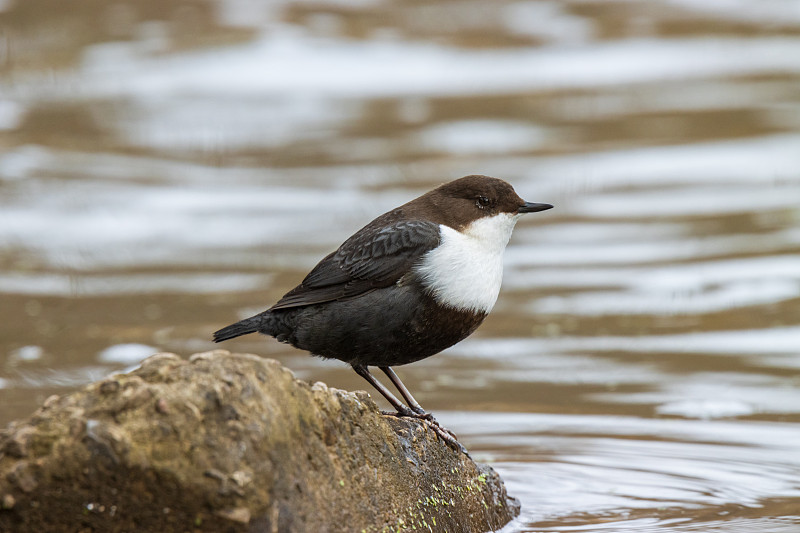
(373,303)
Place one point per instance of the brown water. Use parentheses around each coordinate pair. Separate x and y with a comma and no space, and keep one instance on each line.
(167,167)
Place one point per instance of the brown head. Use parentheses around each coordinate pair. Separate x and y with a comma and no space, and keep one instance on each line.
(460,202)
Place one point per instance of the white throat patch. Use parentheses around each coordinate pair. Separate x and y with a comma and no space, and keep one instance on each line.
(466,269)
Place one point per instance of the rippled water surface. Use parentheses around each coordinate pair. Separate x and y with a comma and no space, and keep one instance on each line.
(167,167)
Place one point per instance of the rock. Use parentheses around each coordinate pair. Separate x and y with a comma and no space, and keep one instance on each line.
(230,442)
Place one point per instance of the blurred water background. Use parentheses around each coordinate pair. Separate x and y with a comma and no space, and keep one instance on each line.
(169,166)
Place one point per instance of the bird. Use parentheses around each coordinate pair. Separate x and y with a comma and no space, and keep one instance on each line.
(414,281)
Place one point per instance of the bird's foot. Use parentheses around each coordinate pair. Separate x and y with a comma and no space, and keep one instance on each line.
(402,410)
(424,415)
(445,434)
(419,414)
(449,438)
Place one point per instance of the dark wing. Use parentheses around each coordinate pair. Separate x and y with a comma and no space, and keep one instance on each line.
(375,257)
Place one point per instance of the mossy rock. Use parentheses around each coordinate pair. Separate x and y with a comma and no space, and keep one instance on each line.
(232,442)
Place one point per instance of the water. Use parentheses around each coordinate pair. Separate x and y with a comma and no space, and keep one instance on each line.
(172,167)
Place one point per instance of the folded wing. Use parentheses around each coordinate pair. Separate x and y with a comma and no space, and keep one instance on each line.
(375,257)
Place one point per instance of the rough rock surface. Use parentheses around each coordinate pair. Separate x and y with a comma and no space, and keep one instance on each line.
(231,442)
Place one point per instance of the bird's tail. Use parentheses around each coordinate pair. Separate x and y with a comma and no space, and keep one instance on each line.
(243,327)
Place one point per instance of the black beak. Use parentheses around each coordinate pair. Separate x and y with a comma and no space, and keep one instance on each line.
(530,207)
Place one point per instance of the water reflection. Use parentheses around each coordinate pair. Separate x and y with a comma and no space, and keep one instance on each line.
(178,164)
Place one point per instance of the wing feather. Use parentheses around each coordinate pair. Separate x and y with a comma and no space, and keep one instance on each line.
(375,257)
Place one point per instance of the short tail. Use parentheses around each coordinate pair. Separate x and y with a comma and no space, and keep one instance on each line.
(243,327)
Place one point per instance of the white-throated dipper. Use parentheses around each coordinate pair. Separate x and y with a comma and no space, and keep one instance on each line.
(409,284)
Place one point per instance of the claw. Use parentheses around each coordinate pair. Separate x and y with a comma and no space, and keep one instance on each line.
(450,438)
(423,415)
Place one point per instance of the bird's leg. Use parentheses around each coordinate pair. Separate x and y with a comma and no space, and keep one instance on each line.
(402,410)
(446,435)
(412,403)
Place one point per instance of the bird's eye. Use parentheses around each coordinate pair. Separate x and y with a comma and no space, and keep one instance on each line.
(482,202)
